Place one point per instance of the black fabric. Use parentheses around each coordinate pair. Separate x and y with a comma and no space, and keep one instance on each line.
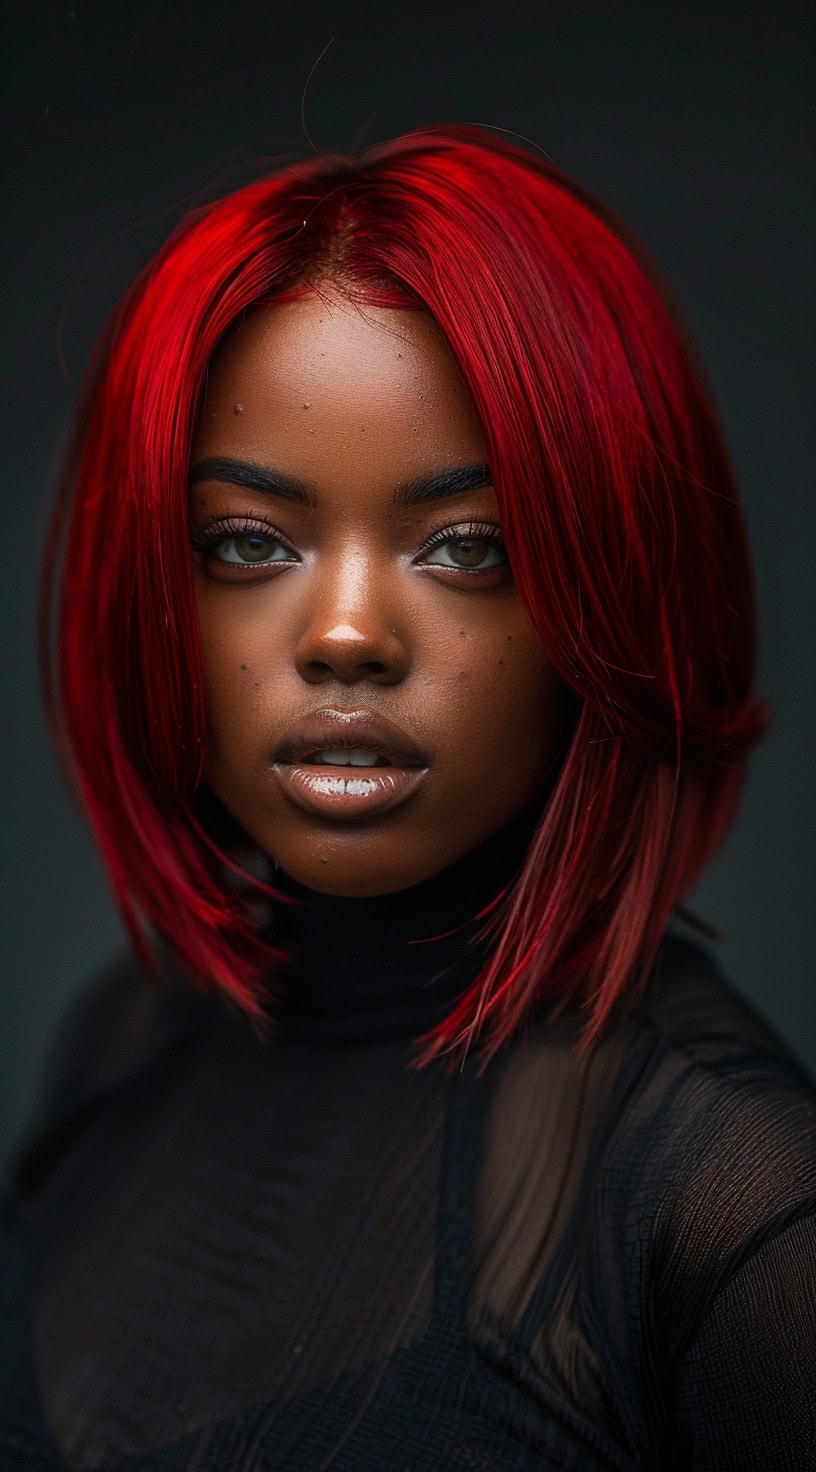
(301,1254)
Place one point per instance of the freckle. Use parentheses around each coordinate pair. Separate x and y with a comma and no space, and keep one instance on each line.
(244,666)
(399,355)
(462,634)
(257,684)
(501,661)
(237,408)
(509,637)
(463,674)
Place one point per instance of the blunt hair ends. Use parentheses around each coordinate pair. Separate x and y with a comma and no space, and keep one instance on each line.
(621,520)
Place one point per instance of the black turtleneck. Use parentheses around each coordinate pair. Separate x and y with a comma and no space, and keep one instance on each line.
(276,1254)
(393,965)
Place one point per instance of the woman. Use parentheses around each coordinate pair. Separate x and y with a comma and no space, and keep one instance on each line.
(403,667)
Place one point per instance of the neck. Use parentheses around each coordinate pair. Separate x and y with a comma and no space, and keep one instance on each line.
(393,965)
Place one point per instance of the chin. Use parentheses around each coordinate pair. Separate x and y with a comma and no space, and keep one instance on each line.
(347,889)
(357,865)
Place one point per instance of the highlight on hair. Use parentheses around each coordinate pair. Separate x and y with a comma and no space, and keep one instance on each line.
(621,521)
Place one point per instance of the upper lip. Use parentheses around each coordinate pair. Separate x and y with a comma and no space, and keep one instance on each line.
(330,728)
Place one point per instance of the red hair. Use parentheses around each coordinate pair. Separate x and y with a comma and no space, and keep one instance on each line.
(621,521)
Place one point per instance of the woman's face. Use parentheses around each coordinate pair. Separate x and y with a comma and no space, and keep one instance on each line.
(342,604)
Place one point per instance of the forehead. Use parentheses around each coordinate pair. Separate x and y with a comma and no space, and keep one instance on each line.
(324,376)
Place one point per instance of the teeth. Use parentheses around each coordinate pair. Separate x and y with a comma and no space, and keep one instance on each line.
(350,756)
(343,786)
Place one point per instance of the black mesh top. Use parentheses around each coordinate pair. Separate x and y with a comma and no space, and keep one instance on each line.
(298,1254)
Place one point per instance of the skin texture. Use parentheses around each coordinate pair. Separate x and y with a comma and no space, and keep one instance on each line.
(355,400)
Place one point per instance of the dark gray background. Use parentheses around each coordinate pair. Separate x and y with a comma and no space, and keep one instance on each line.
(691,120)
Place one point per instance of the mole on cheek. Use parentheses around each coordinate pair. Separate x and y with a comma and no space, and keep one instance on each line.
(244,666)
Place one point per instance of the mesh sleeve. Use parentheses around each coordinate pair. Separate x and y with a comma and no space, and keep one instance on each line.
(745,1388)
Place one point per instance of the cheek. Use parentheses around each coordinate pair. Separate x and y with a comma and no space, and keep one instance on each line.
(502,685)
(236,673)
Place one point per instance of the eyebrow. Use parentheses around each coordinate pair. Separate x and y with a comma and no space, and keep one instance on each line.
(417,491)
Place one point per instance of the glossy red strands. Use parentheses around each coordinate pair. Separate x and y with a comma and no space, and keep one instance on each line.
(620,517)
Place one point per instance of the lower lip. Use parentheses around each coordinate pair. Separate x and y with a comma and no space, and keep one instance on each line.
(321,789)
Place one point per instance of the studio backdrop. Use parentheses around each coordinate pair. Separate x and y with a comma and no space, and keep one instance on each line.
(691,121)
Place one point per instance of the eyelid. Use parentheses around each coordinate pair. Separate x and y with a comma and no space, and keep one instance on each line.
(220,529)
(468,527)
(489,533)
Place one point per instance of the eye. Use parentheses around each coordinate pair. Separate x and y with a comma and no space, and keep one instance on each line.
(467,546)
(251,548)
(239,542)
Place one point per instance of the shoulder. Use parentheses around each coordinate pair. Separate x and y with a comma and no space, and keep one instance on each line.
(693,1067)
(728,1247)
(724,1093)
(692,1077)
(716,1101)
(695,1006)
(121,1021)
(696,1212)
(652,1184)
(714,1154)
(683,1140)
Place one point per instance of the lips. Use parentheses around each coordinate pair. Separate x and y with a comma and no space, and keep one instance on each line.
(330,729)
(349,792)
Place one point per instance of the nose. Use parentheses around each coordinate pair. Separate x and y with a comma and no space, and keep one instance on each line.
(351,633)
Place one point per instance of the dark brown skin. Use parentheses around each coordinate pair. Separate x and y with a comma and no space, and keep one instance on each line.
(355,400)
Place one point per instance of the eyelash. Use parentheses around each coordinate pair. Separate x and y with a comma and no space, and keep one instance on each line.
(213,534)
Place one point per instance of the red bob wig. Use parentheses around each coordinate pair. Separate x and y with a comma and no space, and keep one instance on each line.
(621,522)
